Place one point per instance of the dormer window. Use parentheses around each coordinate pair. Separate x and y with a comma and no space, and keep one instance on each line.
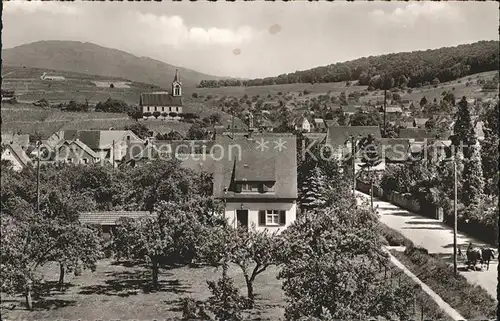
(249,187)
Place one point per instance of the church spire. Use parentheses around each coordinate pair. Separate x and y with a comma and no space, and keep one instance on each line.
(177,85)
(176,77)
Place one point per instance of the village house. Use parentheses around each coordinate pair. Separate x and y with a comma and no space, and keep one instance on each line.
(349,110)
(319,125)
(256,177)
(163,104)
(302,123)
(339,141)
(109,145)
(75,152)
(16,156)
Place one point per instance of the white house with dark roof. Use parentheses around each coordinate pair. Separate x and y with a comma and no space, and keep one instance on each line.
(108,145)
(16,156)
(168,105)
(256,177)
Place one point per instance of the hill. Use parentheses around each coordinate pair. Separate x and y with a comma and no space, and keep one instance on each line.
(89,58)
(411,69)
(29,87)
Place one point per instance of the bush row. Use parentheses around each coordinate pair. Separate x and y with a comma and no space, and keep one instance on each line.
(471,301)
(393,237)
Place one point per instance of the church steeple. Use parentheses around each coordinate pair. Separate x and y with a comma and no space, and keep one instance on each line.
(176,85)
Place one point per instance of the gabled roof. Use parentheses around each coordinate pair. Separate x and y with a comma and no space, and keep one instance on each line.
(393,109)
(184,146)
(110,217)
(100,139)
(159,99)
(331,122)
(319,123)
(78,143)
(350,108)
(337,135)
(19,153)
(416,133)
(264,154)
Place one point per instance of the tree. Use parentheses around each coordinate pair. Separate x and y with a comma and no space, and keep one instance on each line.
(464,129)
(473,180)
(197,132)
(111,86)
(156,114)
(252,251)
(139,129)
(114,106)
(361,118)
(489,151)
(313,191)
(320,276)
(143,239)
(423,102)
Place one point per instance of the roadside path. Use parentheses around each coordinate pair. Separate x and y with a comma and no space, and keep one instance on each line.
(437,238)
(452,313)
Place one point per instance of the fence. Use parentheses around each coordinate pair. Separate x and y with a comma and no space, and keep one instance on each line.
(405,201)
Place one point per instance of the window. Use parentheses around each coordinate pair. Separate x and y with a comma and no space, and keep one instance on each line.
(272,217)
(249,187)
(85,161)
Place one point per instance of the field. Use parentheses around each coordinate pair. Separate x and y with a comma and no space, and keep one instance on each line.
(334,89)
(29,87)
(121,292)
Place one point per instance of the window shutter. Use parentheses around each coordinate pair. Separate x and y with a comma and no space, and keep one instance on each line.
(282,217)
(262,217)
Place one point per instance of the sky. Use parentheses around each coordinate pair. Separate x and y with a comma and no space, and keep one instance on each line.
(253,39)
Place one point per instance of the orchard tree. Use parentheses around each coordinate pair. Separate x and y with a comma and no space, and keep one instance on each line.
(252,251)
(143,240)
(331,265)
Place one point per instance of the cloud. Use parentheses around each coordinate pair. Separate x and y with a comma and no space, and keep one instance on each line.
(171,30)
(37,6)
(411,13)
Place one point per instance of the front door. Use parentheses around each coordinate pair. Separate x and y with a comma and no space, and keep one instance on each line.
(242,217)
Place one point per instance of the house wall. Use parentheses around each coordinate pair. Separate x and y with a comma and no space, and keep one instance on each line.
(162,109)
(16,164)
(253,213)
(76,154)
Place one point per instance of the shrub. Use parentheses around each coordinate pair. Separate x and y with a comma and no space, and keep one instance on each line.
(394,238)
(306,92)
(469,300)
(195,95)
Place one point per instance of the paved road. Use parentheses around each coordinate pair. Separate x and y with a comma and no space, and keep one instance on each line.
(437,238)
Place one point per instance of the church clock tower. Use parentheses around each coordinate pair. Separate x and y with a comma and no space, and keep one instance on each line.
(177,85)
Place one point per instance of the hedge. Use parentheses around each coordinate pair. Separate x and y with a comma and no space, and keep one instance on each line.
(393,237)
(471,301)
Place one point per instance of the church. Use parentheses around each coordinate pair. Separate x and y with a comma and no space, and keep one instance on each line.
(163,105)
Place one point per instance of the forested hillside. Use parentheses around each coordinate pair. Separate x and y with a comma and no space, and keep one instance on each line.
(408,69)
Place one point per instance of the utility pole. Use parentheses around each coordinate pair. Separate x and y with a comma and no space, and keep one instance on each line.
(385,108)
(353,152)
(455,218)
(113,151)
(38,178)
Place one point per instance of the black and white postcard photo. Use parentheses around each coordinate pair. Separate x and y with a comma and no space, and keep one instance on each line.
(249,160)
